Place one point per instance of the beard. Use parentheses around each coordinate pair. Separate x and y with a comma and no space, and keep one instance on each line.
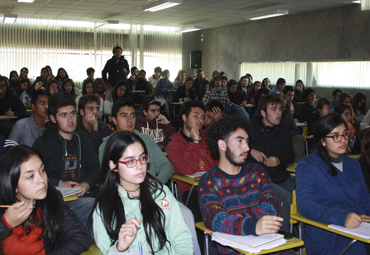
(230,156)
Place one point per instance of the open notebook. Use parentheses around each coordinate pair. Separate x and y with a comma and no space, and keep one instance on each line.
(66,192)
(362,231)
(250,243)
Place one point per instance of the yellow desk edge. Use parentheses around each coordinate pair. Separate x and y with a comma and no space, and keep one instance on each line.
(70,198)
(291,243)
(186,179)
(291,167)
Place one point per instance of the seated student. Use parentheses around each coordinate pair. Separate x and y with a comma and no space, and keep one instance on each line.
(204,88)
(133,205)
(41,223)
(155,77)
(163,87)
(260,93)
(214,112)
(25,131)
(308,107)
(26,96)
(68,154)
(133,78)
(23,86)
(298,91)
(88,108)
(123,116)
(280,83)
(229,209)
(141,84)
(218,94)
(294,108)
(359,104)
(266,84)
(185,92)
(153,123)
(335,101)
(90,73)
(52,86)
(201,78)
(253,91)
(271,145)
(345,98)
(89,88)
(44,73)
(223,83)
(234,94)
(121,89)
(243,87)
(354,143)
(69,86)
(100,88)
(331,189)
(180,79)
(10,106)
(14,80)
(187,150)
(322,108)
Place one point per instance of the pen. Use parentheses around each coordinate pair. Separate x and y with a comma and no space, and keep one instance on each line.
(280,211)
(9,109)
(138,237)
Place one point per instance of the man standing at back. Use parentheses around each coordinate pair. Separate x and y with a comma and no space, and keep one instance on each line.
(67,154)
(117,68)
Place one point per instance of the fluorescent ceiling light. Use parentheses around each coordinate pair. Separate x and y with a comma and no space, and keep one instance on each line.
(110,21)
(26,1)
(356,1)
(160,5)
(10,18)
(265,15)
(189,29)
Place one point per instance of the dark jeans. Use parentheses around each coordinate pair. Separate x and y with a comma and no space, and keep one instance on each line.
(82,208)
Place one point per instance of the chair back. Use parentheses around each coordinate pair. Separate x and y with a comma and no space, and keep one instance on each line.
(293,207)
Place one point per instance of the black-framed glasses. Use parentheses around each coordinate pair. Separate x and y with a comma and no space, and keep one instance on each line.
(338,138)
(133,162)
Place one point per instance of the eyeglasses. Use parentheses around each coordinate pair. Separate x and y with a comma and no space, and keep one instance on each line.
(133,162)
(338,138)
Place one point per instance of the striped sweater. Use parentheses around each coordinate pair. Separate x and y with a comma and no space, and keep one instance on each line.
(233,204)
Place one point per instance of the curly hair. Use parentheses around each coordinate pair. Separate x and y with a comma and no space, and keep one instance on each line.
(222,130)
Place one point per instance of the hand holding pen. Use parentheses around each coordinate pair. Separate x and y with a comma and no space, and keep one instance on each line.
(127,234)
(9,113)
(269,224)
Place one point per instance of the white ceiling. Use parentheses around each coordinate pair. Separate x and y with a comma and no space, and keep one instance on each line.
(206,13)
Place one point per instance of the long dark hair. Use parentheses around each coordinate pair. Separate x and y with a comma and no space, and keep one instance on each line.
(31,89)
(51,221)
(88,80)
(60,78)
(321,129)
(65,81)
(109,202)
(119,84)
(356,99)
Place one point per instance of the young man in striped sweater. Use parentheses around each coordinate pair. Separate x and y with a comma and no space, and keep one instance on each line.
(236,197)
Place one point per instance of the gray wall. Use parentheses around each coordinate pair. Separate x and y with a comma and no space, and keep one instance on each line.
(333,34)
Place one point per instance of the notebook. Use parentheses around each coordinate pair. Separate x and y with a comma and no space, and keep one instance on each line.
(66,192)
(363,230)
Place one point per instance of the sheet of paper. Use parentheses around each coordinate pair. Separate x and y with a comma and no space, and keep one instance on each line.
(362,231)
(196,174)
(250,243)
(66,192)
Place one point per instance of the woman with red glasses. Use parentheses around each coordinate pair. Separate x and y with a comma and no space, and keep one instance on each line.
(331,189)
(133,211)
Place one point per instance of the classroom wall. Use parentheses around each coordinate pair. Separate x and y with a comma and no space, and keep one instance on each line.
(341,33)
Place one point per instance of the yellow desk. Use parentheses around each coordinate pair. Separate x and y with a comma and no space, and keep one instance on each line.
(301,125)
(290,244)
(291,167)
(171,90)
(165,153)
(137,91)
(8,118)
(249,105)
(186,179)
(356,156)
(94,250)
(70,198)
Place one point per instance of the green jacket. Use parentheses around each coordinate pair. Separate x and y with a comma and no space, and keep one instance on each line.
(54,149)
(176,230)
(159,166)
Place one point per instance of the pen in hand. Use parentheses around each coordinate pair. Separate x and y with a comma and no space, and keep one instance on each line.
(280,211)
(138,237)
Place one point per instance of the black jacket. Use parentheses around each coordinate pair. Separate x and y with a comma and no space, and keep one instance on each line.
(280,145)
(15,104)
(112,68)
(306,111)
(96,137)
(181,93)
(74,240)
(297,114)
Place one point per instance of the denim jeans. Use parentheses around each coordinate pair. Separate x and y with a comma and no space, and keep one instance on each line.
(82,208)
(233,110)
(284,192)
